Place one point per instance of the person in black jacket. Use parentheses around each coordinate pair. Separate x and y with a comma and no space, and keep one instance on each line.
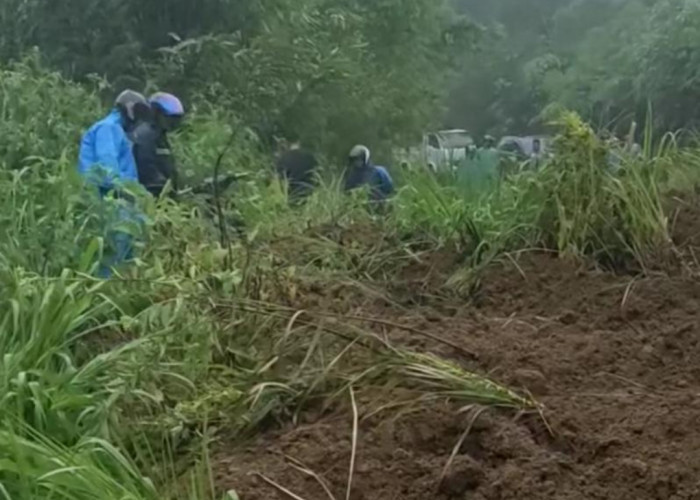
(154,158)
(297,167)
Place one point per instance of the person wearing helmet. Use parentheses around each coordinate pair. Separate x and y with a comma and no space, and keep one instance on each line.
(362,172)
(106,161)
(154,159)
(478,173)
(491,159)
(106,158)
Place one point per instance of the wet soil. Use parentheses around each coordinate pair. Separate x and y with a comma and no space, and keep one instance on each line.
(615,360)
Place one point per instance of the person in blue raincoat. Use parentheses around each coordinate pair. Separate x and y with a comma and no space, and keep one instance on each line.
(362,172)
(478,174)
(106,160)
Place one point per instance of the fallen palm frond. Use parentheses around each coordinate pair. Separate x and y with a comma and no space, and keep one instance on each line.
(442,378)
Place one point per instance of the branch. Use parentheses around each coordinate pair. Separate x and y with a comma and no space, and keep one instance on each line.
(225,240)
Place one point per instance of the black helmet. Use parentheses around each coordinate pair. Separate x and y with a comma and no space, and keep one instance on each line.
(132,104)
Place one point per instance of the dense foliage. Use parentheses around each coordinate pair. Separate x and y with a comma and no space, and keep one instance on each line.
(335,72)
(344,71)
(610,60)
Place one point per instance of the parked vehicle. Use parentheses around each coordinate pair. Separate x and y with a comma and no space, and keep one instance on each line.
(524,147)
(444,149)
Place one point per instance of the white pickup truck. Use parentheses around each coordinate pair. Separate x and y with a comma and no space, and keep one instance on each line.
(438,151)
(525,147)
(447,148)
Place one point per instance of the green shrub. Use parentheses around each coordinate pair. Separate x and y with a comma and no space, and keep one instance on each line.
(42,116)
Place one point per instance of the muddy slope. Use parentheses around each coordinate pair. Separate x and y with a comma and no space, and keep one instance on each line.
(615,361)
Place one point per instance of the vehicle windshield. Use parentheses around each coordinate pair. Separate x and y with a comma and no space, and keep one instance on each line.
(456,139)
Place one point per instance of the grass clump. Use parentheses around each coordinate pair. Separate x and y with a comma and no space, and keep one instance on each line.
(592,210)
(574,204)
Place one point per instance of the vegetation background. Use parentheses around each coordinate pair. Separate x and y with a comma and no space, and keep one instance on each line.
(114,390)
(610,60)
(340,72)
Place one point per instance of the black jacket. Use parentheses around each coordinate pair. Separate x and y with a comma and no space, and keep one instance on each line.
(154,159)
(298,168)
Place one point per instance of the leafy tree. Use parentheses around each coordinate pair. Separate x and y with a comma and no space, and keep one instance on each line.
(607,59)
(111,37)
(645,55)
(669,60)
(41,115)
(334,71)
(495,92)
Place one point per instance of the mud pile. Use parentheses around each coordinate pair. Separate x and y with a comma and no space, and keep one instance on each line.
(615,360)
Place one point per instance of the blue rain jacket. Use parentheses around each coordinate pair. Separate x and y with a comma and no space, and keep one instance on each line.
(376,177)
(478,174)
(106,153)
(107,160)
(382,182)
